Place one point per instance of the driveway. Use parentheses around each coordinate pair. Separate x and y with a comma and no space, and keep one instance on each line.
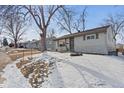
(91,70)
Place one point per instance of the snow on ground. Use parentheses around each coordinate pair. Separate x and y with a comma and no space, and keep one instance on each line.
(92,71)
(70,75)
(14,78)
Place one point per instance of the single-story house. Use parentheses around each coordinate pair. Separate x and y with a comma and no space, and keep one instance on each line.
(31,44)
(36,44)
(97,40)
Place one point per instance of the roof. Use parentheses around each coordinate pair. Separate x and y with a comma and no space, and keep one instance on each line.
(90,31)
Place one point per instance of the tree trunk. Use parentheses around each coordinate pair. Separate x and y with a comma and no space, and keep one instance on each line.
(15,45)
(43,41)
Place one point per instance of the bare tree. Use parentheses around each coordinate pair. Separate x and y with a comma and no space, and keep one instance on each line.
(117,25)
(51,33)
(42,16)
(14,26)
(66,20)
(80,23)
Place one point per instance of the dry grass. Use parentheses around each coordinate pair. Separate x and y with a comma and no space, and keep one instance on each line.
(21,63)
(37,71)
(15,54)
(3,65)
(2,80)
(4,60)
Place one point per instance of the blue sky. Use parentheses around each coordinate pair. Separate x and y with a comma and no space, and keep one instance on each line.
(96,13)
(95,17)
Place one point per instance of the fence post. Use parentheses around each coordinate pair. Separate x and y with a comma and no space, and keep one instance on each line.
(23,55)
(31,52)
(16,55)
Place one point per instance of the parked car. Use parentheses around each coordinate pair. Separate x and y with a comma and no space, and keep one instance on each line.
(11,45)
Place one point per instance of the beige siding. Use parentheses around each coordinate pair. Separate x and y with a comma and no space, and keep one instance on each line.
(110,41)
(92,45)
(104,44)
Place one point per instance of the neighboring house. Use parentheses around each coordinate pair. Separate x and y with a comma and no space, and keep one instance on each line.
(32,44)
(98,40)
(120,47)
(36,44)
(50,44)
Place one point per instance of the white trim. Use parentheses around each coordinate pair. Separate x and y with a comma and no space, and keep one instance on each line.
(90,37)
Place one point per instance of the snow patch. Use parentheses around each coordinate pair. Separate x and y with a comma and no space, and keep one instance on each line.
(94,71)
(14,78)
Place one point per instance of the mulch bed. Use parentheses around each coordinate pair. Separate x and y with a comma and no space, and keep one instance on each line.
(35,71)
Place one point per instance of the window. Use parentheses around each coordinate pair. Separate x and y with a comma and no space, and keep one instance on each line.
(90,37)
(62,44)
(50,42)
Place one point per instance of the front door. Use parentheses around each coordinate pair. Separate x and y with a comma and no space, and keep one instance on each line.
(72,44)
